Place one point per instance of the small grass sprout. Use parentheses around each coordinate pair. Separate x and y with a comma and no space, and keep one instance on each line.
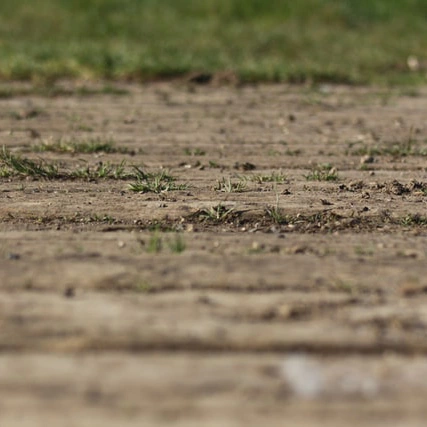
(218,213)
(277,177)
(194,152)
(325,172)
(177,244)
(276,214)
(22,166)
(403,148)
(89,146)
(101,171)
(157,243)
(228,186)
(157,182)
(414,220)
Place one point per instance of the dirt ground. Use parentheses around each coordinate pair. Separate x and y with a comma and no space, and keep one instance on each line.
(281,279)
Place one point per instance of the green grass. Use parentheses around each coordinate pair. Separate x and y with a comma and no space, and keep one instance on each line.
(88,146)
(157,242)
(394,149)
(194,152)
(414,220)
(102,170)
(275,213)
(16,165)
(43,88)
(325,172)
(157,182)
(401,148)
(177,245)
(350,41)
(12,164)
(218,213)
(228,186)
(277,177)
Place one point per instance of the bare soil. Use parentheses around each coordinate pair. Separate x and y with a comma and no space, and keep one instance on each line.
(252,294)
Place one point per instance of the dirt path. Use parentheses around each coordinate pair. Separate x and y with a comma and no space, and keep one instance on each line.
(272,265)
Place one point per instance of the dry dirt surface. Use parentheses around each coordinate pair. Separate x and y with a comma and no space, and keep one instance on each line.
(269,269)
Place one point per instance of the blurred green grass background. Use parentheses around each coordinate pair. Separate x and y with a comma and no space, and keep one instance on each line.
(347,41)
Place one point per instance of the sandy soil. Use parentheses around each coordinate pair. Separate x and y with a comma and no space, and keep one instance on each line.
(251,294)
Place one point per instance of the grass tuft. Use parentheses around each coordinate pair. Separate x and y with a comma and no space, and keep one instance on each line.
(101,171)
(228,186)
(218,213)
(276,214)
(277,177)
(258,40)
(89,146)
(22,166)
(13,164)
(194,152)
(324,172)
(156,243)
(414,220)
(157,182)
(177,245)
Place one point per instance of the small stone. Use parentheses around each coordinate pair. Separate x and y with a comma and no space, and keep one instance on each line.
(413,63)
(69,292)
